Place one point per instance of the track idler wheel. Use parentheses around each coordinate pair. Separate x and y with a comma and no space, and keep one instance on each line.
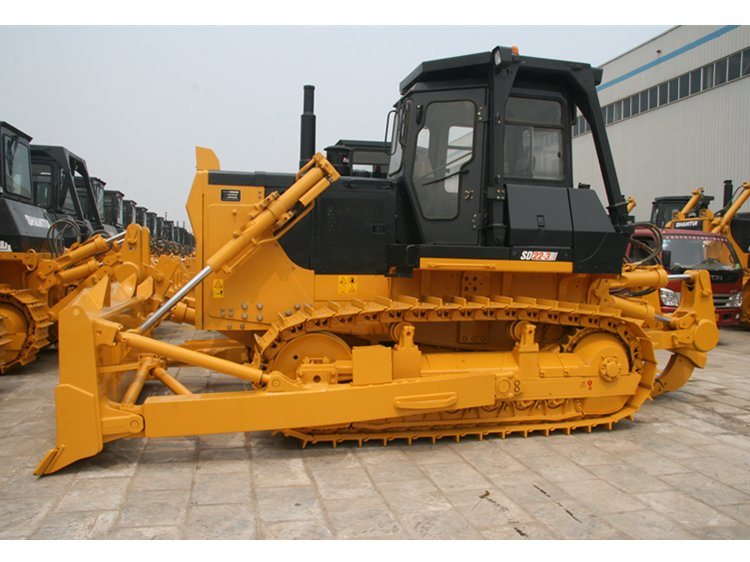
(320,347)
(13,341)
(608,355)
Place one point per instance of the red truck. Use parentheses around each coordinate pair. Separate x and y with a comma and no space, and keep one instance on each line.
(693,249)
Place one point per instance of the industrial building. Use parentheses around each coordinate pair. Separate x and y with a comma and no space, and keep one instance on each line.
(677,110)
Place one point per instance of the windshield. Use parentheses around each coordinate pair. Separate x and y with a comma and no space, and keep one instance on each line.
(701,253)
(662,213)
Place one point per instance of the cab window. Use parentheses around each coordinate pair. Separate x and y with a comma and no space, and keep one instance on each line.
(43,185)
(534,139)
(17,167)
(445,144)
(398,136)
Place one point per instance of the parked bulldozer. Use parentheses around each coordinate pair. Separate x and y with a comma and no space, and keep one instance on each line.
(53,244)
(35,288)
(729,222)
(470,292)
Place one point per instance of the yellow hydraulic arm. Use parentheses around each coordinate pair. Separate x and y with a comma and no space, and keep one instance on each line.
(79,397)
(719,224)
(689,206)
(270,215)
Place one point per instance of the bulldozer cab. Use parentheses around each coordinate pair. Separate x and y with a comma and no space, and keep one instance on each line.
(16,163)
(114,208)
(663,208)
(128,211)
(481,145)
(140,215)
(360,158)
(62,186)
(151,222)
(93,205)
(158,227)
(23,225)
(167,231)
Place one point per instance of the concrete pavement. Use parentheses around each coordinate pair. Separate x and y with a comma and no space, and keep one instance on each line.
(680,471)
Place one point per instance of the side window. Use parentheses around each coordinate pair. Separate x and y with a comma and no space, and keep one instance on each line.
(99,201)
(17,167)
(43,185)
(109,210)
(444,145)
(534,139)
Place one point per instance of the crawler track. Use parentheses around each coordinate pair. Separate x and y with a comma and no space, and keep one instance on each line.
(508,416)
(36,316)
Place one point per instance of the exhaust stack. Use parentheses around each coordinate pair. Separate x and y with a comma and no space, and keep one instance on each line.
(728,193)
(307,127)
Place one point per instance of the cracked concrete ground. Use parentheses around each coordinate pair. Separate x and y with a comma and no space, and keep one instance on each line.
(681,470)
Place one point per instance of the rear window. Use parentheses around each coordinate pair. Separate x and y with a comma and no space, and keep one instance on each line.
(534,139)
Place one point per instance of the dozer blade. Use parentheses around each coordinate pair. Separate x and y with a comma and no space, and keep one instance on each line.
(85,418)
(96,397)
(102,398)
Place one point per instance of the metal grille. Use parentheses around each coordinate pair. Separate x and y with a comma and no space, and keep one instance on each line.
(721,301)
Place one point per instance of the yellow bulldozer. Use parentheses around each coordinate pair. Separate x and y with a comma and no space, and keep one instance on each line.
(728,221)
(35,287)
(470,290)
(53,244)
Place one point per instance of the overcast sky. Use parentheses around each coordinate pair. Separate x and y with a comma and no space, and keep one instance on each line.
(134,101)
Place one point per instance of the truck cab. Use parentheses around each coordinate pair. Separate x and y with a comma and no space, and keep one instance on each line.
(682,250)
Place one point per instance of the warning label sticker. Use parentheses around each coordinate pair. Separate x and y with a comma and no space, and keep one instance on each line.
(218,289)
(347,284)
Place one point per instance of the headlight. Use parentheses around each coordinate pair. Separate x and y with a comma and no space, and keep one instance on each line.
(669,297)
(735,300)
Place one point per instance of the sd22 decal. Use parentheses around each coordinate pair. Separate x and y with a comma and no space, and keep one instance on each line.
(534,255)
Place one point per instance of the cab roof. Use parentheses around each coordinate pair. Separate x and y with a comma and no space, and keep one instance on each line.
(6,125)
(478,65)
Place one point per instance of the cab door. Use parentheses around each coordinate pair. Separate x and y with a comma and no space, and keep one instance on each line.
(444,173)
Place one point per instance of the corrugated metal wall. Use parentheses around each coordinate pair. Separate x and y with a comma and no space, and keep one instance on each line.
(697,141)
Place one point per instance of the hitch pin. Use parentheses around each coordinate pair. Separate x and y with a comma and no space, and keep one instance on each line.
(664,319)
